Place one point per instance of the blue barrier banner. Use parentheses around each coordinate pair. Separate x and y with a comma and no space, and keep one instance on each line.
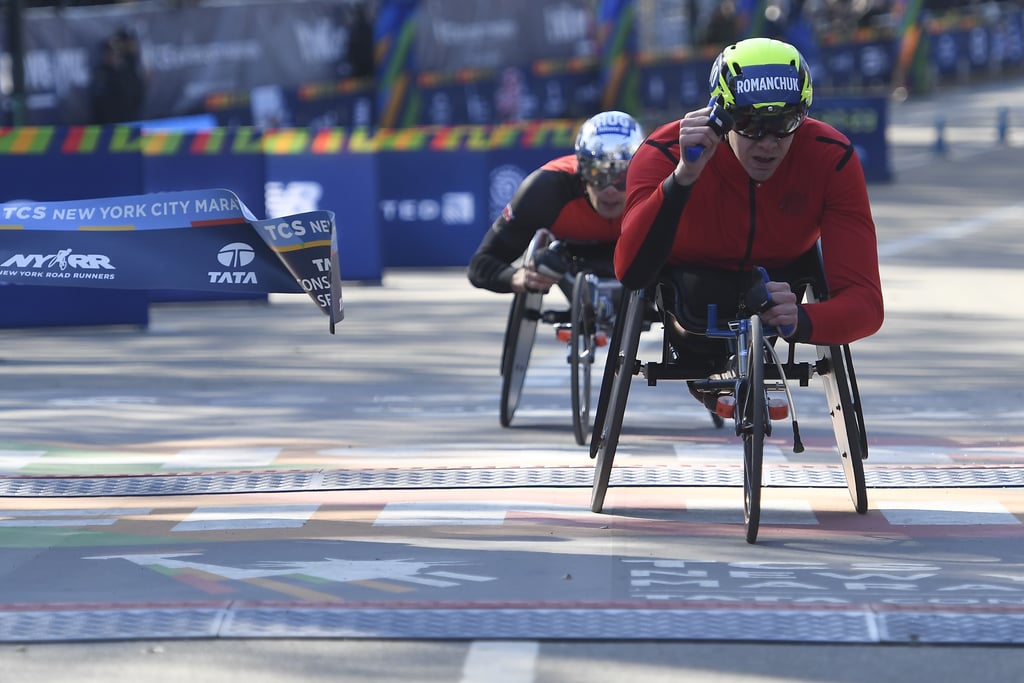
(175,161)
(863,120)
(46,163)
(463,176)
(437,220)
(198,240)
(344,181)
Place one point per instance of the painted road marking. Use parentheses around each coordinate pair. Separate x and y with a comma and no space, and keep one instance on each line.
(775,513)
(247,517)
(500,661)
(907,455)
(14,460)
(199,458)
(728,453)
(441,513)
(947,512)
(469,512)
(66,518)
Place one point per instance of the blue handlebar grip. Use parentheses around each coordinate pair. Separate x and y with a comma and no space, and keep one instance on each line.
(784,330)
(712,317)
(693,152)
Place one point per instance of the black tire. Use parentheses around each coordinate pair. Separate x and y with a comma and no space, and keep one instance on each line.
(608,376)
(752,402)
(621,376)
(847,421)
(515,356)
(583,347)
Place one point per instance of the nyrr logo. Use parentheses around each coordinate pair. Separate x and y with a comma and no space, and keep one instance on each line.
(236,256)
(63,264)
(63,260)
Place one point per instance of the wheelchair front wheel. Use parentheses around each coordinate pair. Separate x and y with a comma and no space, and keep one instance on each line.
(583,346)
(515,358)
(618,375)
(607,379)
(753,418)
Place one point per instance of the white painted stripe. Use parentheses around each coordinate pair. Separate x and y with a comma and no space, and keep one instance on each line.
(77,512)
(908,455)
(199,458)
(247,517)
(441,513)
(103,458)
(94,521)
(725,453)
(724,511)
(501,661)
(950,231)
(468,513)
(947,512)
(11,460)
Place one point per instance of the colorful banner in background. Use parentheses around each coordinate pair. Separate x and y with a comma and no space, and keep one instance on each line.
(197,240)
(617,43)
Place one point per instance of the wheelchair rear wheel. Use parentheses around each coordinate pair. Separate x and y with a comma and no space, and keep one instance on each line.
(583,346)
(515,358)
(753,418)
(619,372)
(847,420)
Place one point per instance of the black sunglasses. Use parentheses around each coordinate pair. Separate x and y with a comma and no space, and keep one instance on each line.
(782,124)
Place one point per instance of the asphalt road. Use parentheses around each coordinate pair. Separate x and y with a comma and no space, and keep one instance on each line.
(235,494)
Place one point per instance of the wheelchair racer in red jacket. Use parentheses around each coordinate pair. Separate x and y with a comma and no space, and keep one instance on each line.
(764,194)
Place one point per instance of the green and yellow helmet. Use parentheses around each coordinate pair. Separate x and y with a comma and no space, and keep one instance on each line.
(762,76)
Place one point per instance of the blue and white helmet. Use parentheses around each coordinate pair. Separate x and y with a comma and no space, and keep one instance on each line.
(604,147)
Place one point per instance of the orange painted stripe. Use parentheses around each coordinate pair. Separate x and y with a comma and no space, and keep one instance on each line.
(304,245)
(219,221)
(381,586)
(294,591)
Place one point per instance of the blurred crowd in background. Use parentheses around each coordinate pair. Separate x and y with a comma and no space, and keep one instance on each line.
(155,59)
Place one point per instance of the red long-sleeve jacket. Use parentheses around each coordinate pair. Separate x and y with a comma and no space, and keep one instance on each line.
(727,220)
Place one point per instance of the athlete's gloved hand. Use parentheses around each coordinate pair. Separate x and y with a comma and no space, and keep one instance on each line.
(774,301)
(552,260)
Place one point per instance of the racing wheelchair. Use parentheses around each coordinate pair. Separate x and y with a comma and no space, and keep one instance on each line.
(693,347)
(584,327)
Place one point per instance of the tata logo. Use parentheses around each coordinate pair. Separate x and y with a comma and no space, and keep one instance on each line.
(454,208)
(235,256)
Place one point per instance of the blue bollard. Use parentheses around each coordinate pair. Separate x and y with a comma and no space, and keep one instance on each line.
(940,136)
(1002,125)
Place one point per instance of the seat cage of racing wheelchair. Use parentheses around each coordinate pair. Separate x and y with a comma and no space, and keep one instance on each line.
(695,349)
(690,353)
